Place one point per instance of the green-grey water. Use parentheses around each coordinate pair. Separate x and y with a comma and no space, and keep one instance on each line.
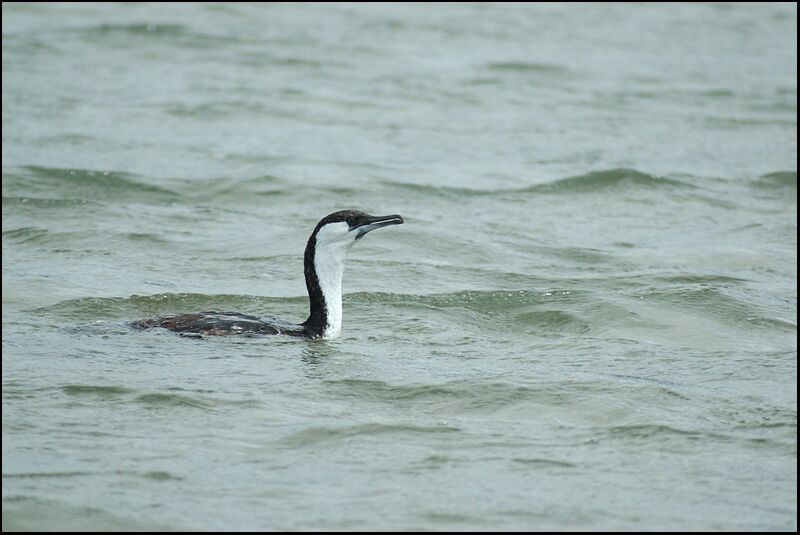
(587,322)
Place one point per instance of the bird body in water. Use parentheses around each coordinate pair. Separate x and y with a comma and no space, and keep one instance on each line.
(325,253)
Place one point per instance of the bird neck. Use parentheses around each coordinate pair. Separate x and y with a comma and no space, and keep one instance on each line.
(323,270)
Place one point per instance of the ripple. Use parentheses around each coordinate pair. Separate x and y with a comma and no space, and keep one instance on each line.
(315,435)
(523,67)
(168,400)
(611,180)
(105,308)
(95,390)
(777,180)
(81,185)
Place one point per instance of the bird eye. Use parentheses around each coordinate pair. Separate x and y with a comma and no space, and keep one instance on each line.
(351,221)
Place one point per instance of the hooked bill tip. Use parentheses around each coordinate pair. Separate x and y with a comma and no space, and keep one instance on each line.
(374,222)
(384,220)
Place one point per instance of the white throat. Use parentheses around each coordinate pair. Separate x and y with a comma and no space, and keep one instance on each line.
(333,243)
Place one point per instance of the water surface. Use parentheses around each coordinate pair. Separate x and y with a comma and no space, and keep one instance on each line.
(588,321)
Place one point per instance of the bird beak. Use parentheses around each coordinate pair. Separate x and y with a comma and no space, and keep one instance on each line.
(373,222)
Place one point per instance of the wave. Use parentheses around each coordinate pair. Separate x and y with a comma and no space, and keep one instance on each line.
(175,34)
(95,390)
(37,183)
(174,398)
(477,300)
(26,235)
(603,310)
(115,307)
(610,309)
(136,306)
(318,434)
(223,188)
(582,400)
(621,179)
(34,203)
(136,28)
(64,242)
(525,67)
(467,393)
(777,180)
(43,186)
(719,304)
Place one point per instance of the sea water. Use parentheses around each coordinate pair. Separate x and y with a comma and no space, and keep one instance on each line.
(587,322)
